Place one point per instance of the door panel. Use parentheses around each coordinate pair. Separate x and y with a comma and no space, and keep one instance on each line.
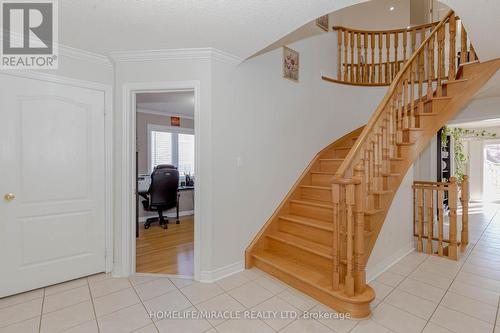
(52,159)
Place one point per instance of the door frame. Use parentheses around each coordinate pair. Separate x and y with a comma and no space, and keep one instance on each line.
(108,142)
(128,207)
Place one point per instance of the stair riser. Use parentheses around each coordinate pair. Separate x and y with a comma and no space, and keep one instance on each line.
(321,180)
(302,256)
(451,89)
(316,194)
(340,153)
(319,213)
(320,236)
(411,136)
(329,166)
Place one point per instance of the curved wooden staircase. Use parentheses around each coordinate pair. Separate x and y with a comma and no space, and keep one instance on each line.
(322,234)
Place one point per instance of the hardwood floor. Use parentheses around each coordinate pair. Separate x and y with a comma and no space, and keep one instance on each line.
(166,251)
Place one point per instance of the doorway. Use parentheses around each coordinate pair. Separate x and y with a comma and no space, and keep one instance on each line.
(491,172)
(165,143)
(165,140)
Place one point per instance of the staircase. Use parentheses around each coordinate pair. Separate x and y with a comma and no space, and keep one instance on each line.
(322,234)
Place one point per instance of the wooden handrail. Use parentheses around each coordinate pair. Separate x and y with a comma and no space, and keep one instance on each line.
(380,109)
(387,31)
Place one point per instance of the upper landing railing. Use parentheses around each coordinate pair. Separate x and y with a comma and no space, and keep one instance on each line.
(373,58)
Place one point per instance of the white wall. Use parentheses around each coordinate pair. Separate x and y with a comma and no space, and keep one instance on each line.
(396,237)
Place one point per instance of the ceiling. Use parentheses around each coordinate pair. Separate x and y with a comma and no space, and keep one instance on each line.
(179,103)
(239,27)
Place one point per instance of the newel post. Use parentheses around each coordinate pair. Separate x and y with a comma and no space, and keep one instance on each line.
(350,202)
(452,203)
(464,199)
(359,229)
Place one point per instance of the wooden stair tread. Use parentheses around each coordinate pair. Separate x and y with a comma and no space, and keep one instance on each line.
(317,187)
(323,173)
(380,191)
(390,174)
(332,159)
(301,243)
(310,222)
(311,203)
(342,148)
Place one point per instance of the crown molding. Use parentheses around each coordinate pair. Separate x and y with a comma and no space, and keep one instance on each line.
(207,53)
(79,54)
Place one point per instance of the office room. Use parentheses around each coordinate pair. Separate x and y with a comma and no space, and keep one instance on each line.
(165,183)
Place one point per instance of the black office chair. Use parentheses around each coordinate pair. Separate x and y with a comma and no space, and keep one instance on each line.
(162,194)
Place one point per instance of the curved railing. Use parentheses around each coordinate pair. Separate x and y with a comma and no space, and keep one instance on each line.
(373,58)
(360,176)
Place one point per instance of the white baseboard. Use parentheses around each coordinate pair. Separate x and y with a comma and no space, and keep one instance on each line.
(143,219)
(219,273)
(385,264)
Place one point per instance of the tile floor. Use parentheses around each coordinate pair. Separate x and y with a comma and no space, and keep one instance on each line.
(417,294)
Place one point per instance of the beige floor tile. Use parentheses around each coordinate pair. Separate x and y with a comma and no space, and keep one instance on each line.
(297,299)
(470,306)
(88,327)
(99,277)
(397,320)
(154,288)
(183,325)
(222,302)
(115,301)
(199,292)
(433,328)
(401,269)
(65,286)
(381,290)
(66,318)
(180,283)
(139,278)
(474,292)
(283,313)
(306,325)
(243,326)
(20,298)
(20,312)
(124,320)
(337,322)
(479,281)
(106,286)
(27,326)
(273,285)
(253,273)
(250,294)
(390,278)
(459,322)
(151,328)
(171,301)
(233,281)
(428,276)
(418,306)
(423,290)
(66,298)
(370,326)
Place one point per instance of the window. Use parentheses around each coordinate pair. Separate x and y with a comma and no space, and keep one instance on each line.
(171,145)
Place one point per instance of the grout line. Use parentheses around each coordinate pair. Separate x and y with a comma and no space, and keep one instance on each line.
(41,312)
(93,306)
(496,315)
(144,306)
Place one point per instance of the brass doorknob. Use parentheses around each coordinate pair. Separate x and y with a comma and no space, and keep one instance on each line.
(9,197)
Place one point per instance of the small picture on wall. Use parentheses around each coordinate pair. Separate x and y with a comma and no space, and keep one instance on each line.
(322,22)
(175,121)
(290,64)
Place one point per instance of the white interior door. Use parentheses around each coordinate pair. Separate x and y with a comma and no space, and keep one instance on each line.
(52,154)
